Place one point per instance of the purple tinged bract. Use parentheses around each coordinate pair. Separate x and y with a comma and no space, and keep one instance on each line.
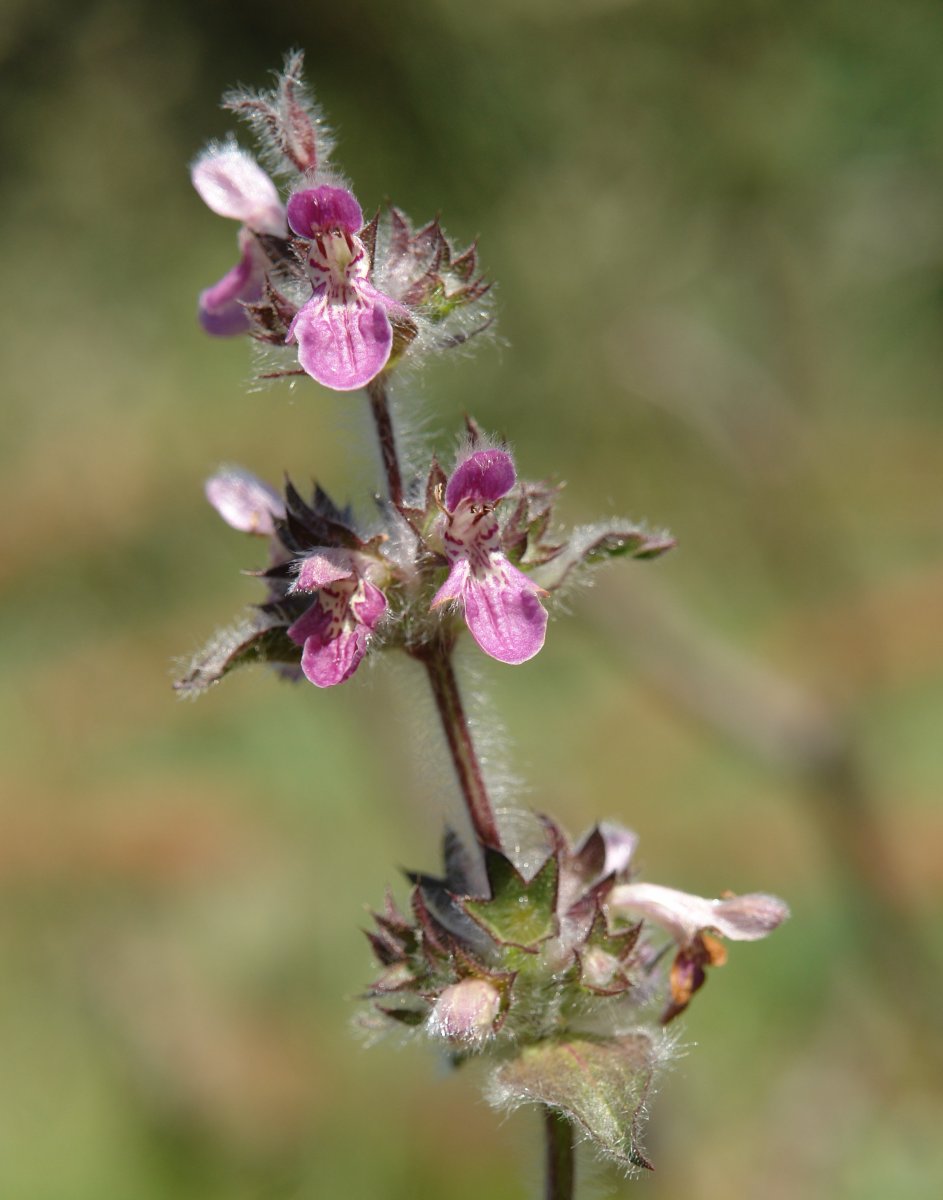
(501,605)
(343,332)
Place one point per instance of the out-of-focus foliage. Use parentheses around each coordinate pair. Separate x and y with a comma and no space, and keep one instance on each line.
(716,229)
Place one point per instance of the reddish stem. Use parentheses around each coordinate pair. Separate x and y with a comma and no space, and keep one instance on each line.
(437,660)
(380,407)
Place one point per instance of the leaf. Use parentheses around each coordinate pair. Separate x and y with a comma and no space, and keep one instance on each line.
(599,1083)
(262,637)
(520,912)
(588,545)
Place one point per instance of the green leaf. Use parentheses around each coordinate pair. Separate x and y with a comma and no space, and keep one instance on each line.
(589,545)
(520,912)
(262,637)
(599,1083)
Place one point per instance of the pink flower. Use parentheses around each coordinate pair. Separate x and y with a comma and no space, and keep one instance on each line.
(343,332)
(692,921)
(233,185)
(501,605)
(335,631)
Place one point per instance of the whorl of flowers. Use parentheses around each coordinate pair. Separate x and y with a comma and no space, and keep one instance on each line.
(450,558)
(555,969)
(349,296)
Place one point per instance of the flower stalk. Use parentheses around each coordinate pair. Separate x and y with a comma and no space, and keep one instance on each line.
(560,1159)
(437,660)
(383,421)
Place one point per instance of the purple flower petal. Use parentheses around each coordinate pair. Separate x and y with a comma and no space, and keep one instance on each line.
(454,585)
(232,184)
(323,209)
(368,604)
(342,345)
(244,501)
(220,307)
(315,623)
(503,613)
(321,567)
(335,631)
(484,477)
(326,664)
(332,647)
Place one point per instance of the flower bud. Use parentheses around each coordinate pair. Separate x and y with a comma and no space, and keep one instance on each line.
(599,968)
(466,1011)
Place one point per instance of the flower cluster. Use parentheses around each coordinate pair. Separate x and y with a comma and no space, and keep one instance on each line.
(336,590)
(349,295)
(558,964)
(561,964)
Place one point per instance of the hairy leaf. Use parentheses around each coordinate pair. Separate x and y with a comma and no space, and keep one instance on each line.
(262,637)
(599,1083)
(588,545)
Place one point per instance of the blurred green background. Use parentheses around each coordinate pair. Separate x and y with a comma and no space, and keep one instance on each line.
(717,230)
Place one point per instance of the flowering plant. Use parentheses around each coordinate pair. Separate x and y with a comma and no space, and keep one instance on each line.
(542,954)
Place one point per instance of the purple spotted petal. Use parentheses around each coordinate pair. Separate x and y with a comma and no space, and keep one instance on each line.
(368,605)
(327,660)
(313,624)
(484,476)
(343,345)
(322,567)
(323,209)
(244,501)
(503,613)
(329,663)
(232,184)
(454,585)
(220,307)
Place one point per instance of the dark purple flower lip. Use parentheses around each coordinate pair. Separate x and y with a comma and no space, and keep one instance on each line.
(324,210)
(484,477)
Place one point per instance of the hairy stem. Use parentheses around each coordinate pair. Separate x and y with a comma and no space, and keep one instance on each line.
(437,660)
(437,656)
(380,407)
(560,1159)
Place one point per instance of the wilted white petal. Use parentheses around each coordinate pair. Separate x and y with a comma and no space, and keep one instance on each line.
(740,918)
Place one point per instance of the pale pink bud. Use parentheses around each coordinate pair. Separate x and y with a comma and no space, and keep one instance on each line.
(466,1011)
(599,967)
